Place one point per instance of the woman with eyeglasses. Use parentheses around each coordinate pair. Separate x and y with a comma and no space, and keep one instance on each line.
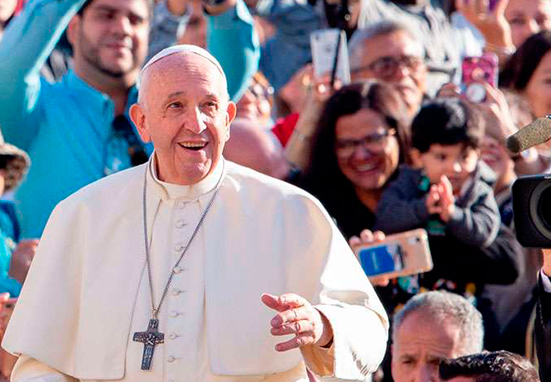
(361,139)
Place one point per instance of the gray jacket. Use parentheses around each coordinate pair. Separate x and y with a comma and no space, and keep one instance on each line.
(403,207)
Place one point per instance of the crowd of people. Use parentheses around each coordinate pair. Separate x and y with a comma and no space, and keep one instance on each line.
(401,147)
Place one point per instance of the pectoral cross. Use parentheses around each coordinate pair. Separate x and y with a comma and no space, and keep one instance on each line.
(150,338)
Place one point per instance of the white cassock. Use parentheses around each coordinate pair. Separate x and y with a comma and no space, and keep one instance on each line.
(87,291)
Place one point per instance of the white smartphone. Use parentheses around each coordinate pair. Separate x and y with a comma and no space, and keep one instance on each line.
(324,44)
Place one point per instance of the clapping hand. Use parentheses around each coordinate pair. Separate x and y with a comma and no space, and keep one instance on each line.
(298,317)
(440,199)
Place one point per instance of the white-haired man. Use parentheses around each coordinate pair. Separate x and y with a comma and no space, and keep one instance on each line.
(170,271)
(431,327)
(389,52)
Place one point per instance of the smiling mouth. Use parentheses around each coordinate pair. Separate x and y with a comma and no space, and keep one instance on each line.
(367,167)
(193,146)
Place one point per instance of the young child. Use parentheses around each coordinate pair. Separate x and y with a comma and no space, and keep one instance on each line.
(444,192)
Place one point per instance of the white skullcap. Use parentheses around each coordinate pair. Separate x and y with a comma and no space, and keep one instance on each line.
(183,48)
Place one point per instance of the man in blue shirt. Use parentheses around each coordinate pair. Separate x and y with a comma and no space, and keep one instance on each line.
(77,131)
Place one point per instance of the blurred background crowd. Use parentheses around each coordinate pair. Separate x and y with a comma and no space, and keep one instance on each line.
(401,147)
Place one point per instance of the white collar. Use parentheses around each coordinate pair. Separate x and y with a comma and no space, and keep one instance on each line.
(168,191)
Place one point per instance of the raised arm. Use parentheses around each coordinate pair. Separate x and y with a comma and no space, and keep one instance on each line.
(25,46)
(168,24)
(232,39)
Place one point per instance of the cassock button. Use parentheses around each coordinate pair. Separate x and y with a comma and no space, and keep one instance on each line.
(170,359)
(178,247)
(176,291)
(180,224)
(181,205)
(174,314)
(173,336)
(177,269)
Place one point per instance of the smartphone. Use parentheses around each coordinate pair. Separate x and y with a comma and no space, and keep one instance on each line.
(323,44)
(401,254)
(475,71)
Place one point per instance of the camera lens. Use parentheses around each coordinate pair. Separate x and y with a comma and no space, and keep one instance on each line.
(544,208)
(540,208)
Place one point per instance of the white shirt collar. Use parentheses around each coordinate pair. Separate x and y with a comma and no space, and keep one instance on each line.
(169,191)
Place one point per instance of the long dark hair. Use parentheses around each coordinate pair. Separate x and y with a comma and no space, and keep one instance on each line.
(518,71)
(324,178)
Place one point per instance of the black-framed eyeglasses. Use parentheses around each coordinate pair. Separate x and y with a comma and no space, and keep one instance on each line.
(345,148)
(386,67)
(123,148)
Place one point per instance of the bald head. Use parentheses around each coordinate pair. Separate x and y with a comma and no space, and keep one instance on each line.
(180,56)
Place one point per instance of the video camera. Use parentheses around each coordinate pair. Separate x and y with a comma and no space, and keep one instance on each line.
(532,210)
(532,194)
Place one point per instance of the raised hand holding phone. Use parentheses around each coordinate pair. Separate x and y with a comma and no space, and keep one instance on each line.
(401,254)
(324,44)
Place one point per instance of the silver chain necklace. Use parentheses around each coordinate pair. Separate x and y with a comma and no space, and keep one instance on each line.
(152,336)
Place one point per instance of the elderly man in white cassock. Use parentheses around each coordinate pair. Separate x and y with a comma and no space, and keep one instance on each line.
(190,267)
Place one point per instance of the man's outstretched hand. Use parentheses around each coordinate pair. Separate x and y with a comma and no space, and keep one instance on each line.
(297,316)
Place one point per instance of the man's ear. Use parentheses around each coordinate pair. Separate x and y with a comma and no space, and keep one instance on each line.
(138,117)
(73,29)
(415,156)
(231,112)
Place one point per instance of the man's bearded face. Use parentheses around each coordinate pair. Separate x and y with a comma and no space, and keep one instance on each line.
(112,37)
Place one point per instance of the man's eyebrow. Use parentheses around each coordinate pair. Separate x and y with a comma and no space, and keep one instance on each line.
(108,8)
(175,94)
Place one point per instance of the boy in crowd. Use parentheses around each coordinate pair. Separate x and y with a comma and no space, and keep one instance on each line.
(446,190)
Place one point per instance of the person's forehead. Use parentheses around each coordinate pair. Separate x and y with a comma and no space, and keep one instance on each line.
(455,149)
(421,335)
(528,7)
(183,71)
(138,7)
(358,125)
(393,44)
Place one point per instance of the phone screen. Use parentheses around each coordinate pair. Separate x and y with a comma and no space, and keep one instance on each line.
(381,259)
(324,46)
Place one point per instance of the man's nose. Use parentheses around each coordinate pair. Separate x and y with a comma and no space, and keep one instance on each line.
(194,122)
(402,71)
(122,25)
(426,373)
(532,28)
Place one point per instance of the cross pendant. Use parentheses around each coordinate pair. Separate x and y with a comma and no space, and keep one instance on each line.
(150,338)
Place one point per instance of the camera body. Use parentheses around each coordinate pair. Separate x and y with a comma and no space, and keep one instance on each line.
(532,210)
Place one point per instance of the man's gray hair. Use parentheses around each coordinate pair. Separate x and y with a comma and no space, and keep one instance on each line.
(382,28)
(440,307)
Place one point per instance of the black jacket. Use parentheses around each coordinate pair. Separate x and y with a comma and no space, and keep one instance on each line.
(543,332)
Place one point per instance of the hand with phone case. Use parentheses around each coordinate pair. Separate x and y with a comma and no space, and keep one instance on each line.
(475,72)
(402,254)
